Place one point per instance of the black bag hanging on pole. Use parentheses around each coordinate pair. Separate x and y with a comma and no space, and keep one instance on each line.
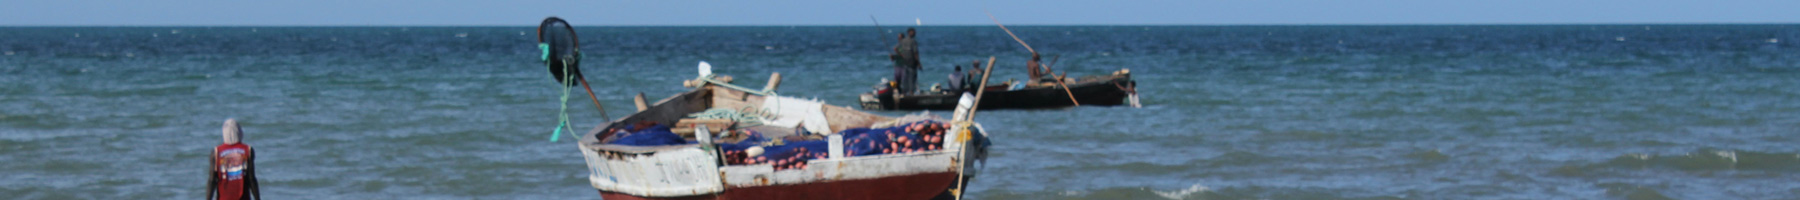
(561,50)
(562,55)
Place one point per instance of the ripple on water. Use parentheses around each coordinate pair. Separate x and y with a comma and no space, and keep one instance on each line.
(1701,161)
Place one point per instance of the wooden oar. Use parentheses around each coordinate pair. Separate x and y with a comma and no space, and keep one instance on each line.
(590,90)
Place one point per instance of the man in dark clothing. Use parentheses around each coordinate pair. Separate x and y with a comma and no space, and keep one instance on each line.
(912,44)
(908,50)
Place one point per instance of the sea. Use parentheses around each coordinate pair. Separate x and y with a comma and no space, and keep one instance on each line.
(1621,111)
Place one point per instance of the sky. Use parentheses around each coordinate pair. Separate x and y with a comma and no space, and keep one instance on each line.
(897,12)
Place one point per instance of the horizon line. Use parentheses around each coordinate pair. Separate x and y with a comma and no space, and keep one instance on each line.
(858,25)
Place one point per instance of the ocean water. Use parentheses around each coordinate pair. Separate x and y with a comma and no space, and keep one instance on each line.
(1232,112)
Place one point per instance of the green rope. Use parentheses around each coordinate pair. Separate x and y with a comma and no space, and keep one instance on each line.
(545,48)
(563,113)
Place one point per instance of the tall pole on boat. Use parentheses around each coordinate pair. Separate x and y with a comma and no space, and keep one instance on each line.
(1059,80)
(961,167)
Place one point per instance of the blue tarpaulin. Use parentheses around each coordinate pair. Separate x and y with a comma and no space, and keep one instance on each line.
(658,135)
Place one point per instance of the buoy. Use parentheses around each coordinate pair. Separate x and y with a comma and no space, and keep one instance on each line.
(753,151)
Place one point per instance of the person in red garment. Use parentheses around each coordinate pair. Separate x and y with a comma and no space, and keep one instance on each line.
(233,169)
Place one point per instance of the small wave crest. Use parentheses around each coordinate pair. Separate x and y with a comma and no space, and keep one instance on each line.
(1183,193)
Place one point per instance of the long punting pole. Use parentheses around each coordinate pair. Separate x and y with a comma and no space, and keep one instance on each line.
(1009,32)
(1028,48)
(1059,81)
(1065,86)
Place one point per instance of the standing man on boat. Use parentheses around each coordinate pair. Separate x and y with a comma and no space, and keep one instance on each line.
(899,68)
(908,58)
(232,175)
(912,42)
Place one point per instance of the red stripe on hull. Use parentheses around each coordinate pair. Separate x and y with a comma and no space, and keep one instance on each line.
(918,186)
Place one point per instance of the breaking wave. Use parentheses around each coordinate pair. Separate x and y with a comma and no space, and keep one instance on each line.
(1183,193)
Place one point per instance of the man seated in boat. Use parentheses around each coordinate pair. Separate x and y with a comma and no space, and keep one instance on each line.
(973,79)
(956,80)
(1033,73)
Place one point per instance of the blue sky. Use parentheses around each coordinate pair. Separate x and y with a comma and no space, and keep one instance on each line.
(854,12)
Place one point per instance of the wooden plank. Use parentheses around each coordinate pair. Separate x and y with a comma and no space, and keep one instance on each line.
(720,123)
(842,118)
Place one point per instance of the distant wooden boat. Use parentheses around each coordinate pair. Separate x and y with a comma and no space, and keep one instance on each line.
(704,170)
(1109,90)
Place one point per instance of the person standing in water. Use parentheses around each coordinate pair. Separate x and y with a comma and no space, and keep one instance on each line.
(232,175)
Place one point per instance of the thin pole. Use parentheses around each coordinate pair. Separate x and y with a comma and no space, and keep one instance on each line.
(1009,32)
(879,31)
(590,90)
(960,180)
(1059,80)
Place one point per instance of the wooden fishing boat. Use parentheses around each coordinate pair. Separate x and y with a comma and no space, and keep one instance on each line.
(1109,90)
(704,168)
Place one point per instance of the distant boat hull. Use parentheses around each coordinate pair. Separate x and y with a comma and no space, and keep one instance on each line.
(1106,91)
